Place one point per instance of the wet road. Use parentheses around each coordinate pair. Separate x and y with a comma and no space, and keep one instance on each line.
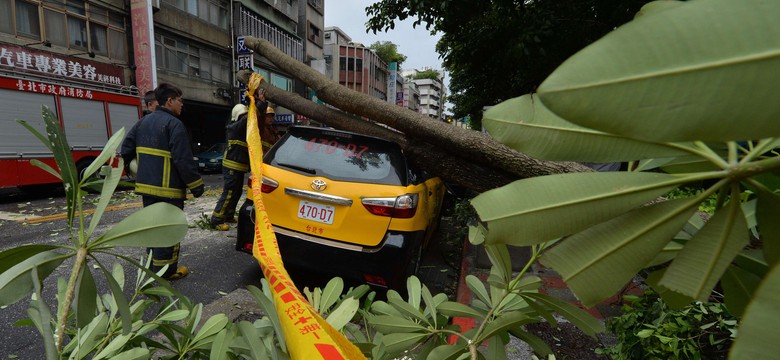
(215,267)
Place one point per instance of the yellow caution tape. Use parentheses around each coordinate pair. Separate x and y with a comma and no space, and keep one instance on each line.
(307,334)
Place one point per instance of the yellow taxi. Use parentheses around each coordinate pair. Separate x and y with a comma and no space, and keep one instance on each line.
(346,204)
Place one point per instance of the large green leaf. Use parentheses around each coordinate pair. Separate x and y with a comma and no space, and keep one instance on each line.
(265,301)
(673,299)
(504,323)
(157,225)
(580,318)
(16,282)
(534,210)
(330,294)
(58,145)
(767,212)
(109,185)
(738,288)
(398,343)
(536,343)
(108,152)
(597,262)
(451,308)
(705,70)
(86,298)
(392,324)
(344,313)
(699,265)
(120,301)
(11,257)
(526,125)
(758,337)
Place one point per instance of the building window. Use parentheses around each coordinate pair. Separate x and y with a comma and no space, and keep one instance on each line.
(71,24)
(179,56)
(215,12)
(27,21)
(314,34)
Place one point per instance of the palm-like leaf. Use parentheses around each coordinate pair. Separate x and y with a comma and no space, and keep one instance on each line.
(526,125)
(597,262)
(531,211)
(672,75)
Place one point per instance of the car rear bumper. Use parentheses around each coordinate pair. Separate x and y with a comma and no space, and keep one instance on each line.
(387,265)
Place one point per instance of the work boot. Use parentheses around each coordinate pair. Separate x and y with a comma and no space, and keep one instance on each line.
(181,272)
(222,227)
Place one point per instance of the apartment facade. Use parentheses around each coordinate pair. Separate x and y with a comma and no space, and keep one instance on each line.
(432,93)
(354,65)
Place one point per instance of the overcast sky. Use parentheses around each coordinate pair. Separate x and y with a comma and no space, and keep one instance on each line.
(416,43)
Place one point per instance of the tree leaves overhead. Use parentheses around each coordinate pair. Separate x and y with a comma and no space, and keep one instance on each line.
(526,125)
(495,50)
(671,75)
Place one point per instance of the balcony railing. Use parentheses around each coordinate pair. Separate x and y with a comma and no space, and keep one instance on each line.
(252,25)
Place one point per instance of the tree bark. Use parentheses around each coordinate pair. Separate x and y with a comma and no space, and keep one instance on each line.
(468,158)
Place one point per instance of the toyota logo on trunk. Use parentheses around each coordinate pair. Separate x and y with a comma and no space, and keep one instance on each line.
(319,184)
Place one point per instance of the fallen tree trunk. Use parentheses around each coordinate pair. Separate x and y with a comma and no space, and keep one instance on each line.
(468,158)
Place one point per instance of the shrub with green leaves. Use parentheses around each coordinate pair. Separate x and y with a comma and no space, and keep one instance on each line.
(649,329)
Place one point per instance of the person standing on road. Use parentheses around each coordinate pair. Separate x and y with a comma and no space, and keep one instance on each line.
(150,103)
(166,168)
(235,162)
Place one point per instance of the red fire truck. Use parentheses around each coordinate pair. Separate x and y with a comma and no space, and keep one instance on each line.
(88,117)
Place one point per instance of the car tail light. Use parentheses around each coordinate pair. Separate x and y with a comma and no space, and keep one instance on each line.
(404,206)
(269,185)
(375,280)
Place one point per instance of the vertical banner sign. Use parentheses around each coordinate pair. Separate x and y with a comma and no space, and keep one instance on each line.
(393,67)
(245,61)
(306,334)
(143,45)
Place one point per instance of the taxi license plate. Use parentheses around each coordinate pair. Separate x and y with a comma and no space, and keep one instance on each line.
(316,212)
(202,164)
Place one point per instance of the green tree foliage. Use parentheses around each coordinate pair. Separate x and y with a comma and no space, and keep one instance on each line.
(427,74)
(500,49)
(388,52)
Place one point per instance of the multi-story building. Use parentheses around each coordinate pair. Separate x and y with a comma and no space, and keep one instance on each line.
(354,65)
(411,96)
(432,93)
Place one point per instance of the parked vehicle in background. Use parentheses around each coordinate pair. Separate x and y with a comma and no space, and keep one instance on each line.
(211,159)
(88,117)
(346,204)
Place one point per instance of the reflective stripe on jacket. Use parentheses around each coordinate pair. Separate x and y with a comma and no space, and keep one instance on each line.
(166,168)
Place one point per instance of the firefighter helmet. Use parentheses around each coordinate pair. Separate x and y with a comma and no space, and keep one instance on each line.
(238,110)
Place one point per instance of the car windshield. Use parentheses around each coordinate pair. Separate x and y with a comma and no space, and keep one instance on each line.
(340,156)
(218,147)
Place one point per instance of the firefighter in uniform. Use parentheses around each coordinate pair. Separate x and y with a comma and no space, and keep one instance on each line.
(166,168)
(235,161)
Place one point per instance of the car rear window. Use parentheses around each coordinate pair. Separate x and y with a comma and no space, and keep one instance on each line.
(339,156)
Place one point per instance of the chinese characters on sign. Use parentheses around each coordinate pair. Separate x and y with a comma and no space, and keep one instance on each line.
(38,87)
(48,64)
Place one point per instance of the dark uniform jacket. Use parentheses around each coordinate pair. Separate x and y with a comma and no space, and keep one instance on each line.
(165,164)
(236,155)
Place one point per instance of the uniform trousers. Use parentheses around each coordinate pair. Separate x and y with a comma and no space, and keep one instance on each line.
(162,256)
